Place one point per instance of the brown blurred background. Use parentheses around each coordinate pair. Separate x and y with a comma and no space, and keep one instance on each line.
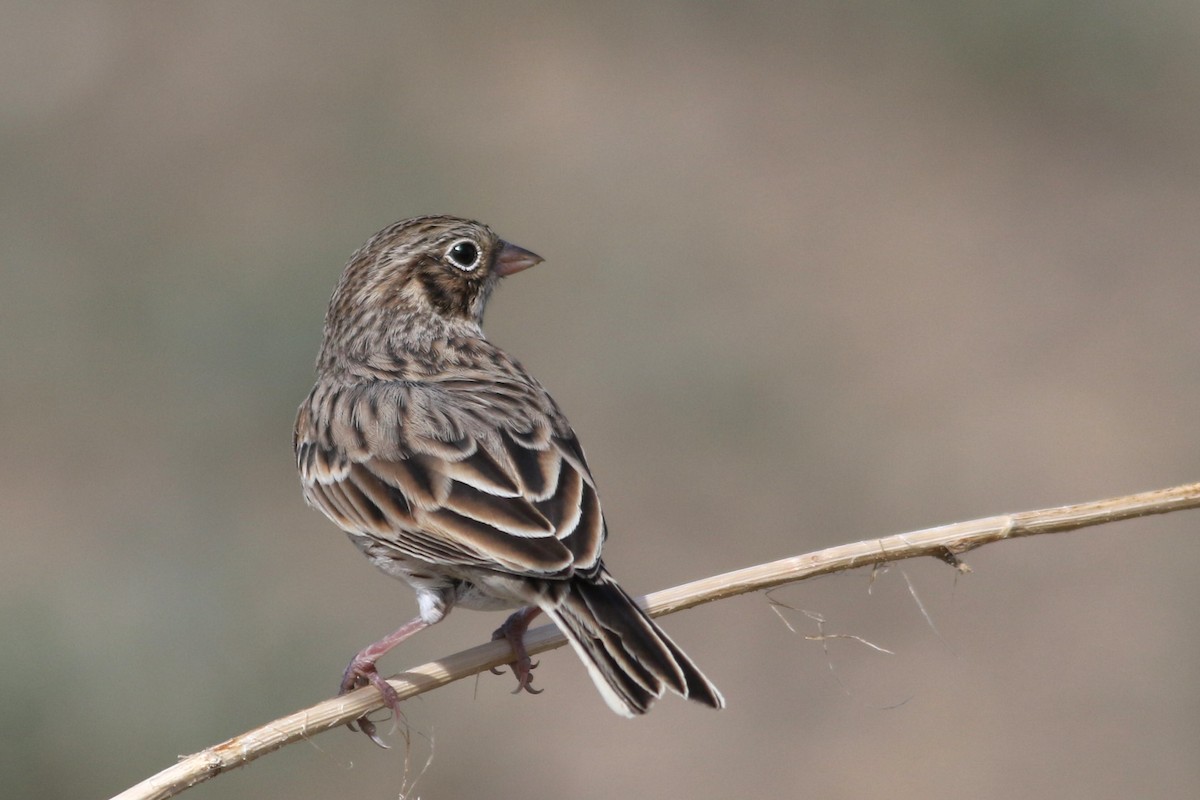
(815,272)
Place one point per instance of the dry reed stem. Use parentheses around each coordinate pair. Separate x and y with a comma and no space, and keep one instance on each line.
(946,542)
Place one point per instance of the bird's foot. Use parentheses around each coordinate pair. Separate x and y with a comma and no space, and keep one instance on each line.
(362,672)
(513,630)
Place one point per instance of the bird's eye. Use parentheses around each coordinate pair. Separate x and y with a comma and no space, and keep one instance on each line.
(464,254)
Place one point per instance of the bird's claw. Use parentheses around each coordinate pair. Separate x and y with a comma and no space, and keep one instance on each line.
(362,673)
(513,630)
(523,668)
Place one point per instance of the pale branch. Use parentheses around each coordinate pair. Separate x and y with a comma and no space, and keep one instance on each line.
(945,542)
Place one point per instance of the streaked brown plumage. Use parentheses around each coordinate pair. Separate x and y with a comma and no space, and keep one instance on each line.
(452,468)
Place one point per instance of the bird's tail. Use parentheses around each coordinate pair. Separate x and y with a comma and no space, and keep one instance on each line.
(629,658)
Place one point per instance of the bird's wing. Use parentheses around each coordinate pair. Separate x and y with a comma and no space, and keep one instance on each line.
(452,482)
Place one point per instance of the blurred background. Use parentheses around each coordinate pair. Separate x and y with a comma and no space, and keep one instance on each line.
(815,272)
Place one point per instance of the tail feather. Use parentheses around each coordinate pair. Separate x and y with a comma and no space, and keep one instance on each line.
(629,658)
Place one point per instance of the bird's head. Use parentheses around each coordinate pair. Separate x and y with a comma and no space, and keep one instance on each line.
(429,274)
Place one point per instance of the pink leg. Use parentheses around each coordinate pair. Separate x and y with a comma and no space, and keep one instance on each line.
(513,630)
(362,672)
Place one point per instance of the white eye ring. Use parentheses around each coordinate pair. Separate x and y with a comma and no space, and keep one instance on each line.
(466,259)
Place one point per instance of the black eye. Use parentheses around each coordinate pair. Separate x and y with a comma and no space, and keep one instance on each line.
(464,254)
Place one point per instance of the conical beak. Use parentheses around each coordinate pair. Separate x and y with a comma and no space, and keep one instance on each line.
(513,259)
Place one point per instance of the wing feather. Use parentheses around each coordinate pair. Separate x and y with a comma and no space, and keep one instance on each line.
(450,479)
(422,487)
(562,507)
(544,555)
(512,515)
(537,467)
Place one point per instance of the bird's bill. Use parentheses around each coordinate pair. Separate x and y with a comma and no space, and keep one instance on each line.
(512,259)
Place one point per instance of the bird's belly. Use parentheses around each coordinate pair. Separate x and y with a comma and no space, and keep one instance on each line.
(473,597)
(475,589)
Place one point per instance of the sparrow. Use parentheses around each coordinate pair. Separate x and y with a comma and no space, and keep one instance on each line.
(452,469)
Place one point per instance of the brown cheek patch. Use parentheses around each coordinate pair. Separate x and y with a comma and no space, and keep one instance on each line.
(436,292)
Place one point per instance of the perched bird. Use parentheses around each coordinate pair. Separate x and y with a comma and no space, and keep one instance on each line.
(453,469)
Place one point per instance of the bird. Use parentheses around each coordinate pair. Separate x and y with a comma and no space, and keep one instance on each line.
(454,470)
